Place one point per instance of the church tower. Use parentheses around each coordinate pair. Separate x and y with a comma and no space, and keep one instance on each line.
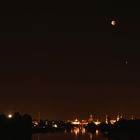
(90,118)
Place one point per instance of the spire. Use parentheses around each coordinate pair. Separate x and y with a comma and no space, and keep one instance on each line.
(106,119)
(132,117)
(90,118)
(118,117)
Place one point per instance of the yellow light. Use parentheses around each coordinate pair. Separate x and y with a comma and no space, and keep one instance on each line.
(97,122)
(112,121)
(76,122)
(10,115)
(97,132)
(76,131)
(83,130)
(55,126)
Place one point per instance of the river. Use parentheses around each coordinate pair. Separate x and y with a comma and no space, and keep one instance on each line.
(73,135)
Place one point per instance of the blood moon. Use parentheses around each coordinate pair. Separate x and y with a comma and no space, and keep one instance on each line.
(113,22)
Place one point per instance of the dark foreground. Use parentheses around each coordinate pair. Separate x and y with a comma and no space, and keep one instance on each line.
(16,128)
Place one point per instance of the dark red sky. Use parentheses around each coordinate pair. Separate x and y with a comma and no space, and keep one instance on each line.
(68,61)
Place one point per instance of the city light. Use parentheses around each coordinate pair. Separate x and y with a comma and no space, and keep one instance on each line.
(76,131)
(112,121)
(97,132)
(76,122)
(97,122)
(91,136)
(83,130)
(55,126)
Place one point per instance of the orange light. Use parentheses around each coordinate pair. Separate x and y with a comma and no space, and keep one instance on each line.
(113,22)
(97,132)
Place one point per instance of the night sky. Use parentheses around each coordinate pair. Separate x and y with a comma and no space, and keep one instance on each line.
(66,60)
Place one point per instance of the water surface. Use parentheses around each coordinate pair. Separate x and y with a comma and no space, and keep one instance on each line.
(73,135)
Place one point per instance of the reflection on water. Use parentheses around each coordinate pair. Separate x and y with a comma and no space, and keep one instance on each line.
(76,134)
(97,132)
(76,131)
(83,130)
(38,137)
(90,136)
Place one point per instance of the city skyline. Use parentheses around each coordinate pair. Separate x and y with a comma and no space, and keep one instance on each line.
(89,117)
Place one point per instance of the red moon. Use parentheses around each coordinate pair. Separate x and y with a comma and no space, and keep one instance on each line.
(113,22)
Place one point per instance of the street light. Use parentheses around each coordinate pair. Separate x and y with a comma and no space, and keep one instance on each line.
(10,116)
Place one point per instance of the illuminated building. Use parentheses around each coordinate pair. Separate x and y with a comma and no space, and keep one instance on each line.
(84,122)
(112,121)
(35,122)
(55,125)
(118,117)
(76,122)
(97,122)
